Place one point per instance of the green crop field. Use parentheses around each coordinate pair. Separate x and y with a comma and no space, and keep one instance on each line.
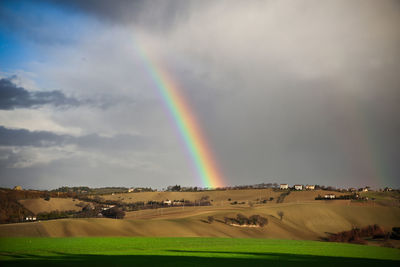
(189,252)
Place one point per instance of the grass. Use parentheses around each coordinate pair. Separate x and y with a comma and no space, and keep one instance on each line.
(188,252)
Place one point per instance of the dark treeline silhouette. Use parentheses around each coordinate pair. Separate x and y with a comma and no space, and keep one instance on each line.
(140,205)
(100,190)
(357,235)
(241,219)
(343,197)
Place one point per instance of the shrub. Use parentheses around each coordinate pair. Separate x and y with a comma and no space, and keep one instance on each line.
(114,212)
(280,214)
(395,233)
(356,235)
(258,220)
(243,220)
(210,219)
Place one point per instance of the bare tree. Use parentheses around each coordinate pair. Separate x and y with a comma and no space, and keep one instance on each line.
(280,214)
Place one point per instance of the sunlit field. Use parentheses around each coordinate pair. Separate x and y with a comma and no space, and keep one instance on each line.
(189,251)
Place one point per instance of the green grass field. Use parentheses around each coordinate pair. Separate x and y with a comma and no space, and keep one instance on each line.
(189,252)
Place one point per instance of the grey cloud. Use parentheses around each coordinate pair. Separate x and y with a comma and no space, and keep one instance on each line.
(12,97)
(23,137)
(286,91)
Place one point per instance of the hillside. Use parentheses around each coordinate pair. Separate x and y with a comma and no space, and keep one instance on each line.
(38,205)
(303,221)
(222,197)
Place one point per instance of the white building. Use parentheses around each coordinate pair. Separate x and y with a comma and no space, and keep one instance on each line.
(330,196)
(310,187)
(178,203)
(130,190)
(298,187)
(284,186)
(167,202)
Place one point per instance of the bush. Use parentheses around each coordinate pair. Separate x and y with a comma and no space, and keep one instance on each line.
(258,220)
(210,219)
(356,235)
(395,233)
(280,214)
(114,212)
(243,220)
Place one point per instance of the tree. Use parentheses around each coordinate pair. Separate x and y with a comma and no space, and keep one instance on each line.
(210,219)
(280,214)
(174,188)
(114,212)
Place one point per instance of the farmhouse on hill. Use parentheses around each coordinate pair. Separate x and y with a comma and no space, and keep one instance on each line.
(284,186)
(17,187)
(310,187)
(298,187)
(30,218)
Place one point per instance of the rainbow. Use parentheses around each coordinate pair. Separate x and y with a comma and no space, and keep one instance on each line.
(185,121)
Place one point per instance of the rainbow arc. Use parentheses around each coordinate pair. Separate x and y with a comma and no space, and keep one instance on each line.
(185,121)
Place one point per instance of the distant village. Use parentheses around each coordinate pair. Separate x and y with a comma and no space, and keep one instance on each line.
(94,204)
(178,188)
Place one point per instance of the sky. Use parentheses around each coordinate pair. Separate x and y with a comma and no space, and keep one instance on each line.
(283,91)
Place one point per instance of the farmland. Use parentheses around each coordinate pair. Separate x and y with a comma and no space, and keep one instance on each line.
(103,251)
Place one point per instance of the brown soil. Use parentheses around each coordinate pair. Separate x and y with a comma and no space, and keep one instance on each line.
(307,221)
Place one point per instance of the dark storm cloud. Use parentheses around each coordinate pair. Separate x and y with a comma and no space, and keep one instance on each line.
(23,137)
(285,91)
(13,97)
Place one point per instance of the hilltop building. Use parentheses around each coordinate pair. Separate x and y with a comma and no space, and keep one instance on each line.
(284,186)
(310,187)
(298,187)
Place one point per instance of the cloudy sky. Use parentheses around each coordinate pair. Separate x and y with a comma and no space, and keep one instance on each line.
(284,91)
